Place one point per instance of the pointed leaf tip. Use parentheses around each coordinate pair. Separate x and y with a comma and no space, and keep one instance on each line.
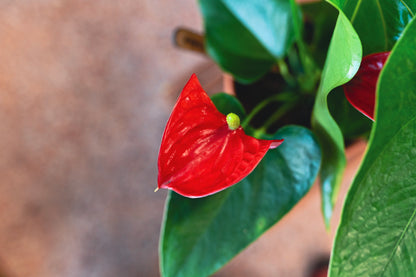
(275,143)
(200,154)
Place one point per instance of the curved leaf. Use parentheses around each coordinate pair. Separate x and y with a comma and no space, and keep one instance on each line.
(247,37)
(377,233)
(342,62)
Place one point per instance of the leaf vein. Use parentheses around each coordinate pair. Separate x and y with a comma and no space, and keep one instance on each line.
(373,163)
(403,234)
(383,20)
(357,7)
(408,8)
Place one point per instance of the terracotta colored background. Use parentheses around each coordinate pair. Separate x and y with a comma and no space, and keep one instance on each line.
(86,88)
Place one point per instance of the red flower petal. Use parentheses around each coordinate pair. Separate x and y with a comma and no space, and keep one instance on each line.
(361,90)
(200,154)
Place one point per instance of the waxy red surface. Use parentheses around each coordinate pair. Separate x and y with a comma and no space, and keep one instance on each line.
(199,154)
(361,90)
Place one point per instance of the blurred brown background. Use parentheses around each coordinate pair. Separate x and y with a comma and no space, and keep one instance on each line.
(85,91)
(86,88)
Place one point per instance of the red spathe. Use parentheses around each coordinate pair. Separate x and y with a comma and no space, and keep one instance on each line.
(361,90)
(199,154)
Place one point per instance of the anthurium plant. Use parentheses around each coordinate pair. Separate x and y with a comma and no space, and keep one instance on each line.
(345,69)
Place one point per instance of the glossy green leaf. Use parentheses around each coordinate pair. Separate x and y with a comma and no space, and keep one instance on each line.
(379,23)
(342,62)
(200,235)
(247,37)
(377,234)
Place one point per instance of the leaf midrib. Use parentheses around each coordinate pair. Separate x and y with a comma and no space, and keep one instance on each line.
(381,152)
(383,21)
(355,11)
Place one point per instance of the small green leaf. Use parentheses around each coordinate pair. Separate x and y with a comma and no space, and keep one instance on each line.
(247,37)
(200,235)
(342,62)
(377,233)
(226,104)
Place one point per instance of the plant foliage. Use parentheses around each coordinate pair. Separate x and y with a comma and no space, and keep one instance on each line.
(377,235)
(312,50)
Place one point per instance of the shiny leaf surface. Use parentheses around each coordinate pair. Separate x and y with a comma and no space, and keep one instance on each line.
(247,37)
(201,153)
(200,235)
(361,90)
(377,233)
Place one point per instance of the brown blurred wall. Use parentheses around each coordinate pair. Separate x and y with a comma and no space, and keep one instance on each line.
(84,95)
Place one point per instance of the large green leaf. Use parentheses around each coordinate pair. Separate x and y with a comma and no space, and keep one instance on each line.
(342,62)
(200,235)
(379,23)
(247,37)
(377,234)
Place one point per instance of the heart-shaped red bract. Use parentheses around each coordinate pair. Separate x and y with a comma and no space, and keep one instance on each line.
(200,155)
(361,90)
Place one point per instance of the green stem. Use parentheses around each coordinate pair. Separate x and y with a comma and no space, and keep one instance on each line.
(298,28)
(259,133)
(284,71)
(284,96)
(306,61)
(276,116)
